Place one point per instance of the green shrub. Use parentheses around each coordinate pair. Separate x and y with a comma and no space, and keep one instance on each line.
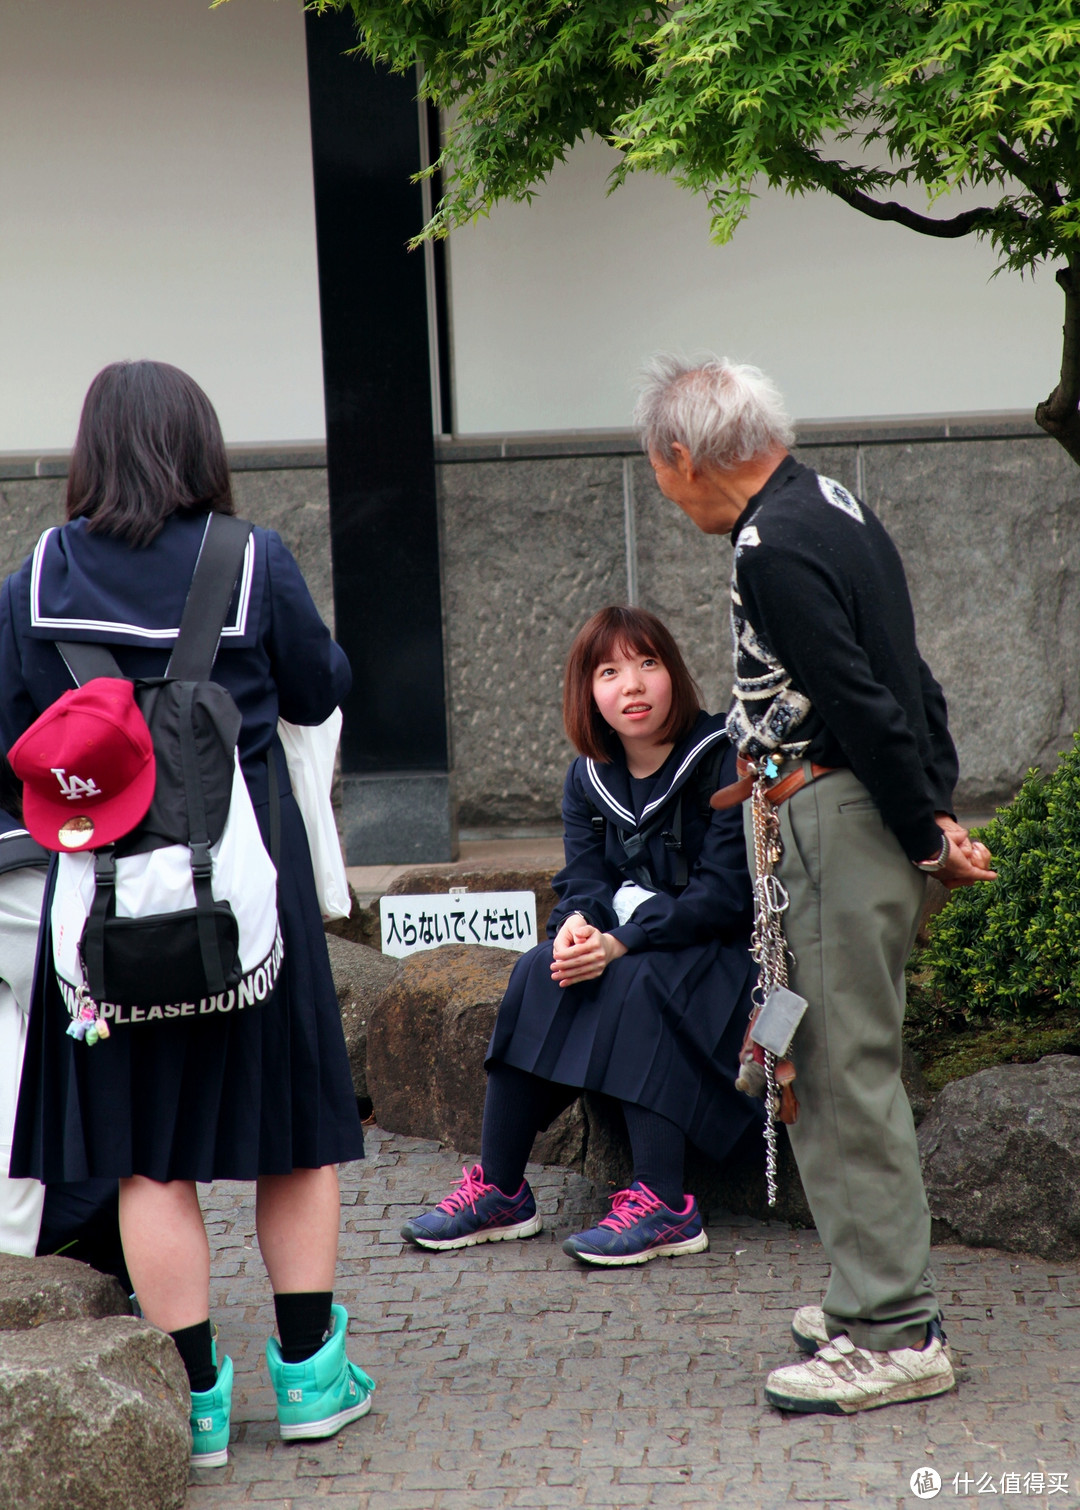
(1008,952)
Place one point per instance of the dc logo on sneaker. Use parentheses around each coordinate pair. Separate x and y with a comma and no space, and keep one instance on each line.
(295,1396)
(204,1423)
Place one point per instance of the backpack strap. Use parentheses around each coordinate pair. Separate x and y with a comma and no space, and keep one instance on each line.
(199,844)
(85,662)
(208,599)
(18,849)
(668,821)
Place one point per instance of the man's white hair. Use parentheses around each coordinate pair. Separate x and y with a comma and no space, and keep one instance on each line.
(724,413)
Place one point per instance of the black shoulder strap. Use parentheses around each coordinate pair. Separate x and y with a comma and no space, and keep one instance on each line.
(208,599)
(85,662)
(18,849)
(218,567)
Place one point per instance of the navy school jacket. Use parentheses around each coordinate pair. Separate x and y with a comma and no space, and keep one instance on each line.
(276,656)
(717,900)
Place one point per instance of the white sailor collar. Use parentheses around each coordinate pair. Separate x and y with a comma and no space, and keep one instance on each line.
(608,785)
(82,586)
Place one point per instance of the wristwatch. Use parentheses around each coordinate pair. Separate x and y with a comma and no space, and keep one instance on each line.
(931,867)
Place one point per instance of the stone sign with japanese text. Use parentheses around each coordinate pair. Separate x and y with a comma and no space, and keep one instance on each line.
(499,919)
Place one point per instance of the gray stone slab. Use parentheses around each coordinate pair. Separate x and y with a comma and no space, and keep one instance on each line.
(297,505)
(989,535)
(684,577)
(26,508)
(404,818)
(531,548)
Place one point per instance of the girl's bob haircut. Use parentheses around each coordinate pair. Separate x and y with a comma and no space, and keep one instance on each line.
(149,444)
(607,633)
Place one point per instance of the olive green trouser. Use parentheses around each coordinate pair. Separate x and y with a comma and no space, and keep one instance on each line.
(855,903)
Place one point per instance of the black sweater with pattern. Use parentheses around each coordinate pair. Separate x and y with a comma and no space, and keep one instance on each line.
(827,668)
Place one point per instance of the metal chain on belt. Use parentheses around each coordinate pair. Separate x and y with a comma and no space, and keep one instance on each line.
(767,944)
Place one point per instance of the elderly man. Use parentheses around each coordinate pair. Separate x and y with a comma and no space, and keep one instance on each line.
(829,682)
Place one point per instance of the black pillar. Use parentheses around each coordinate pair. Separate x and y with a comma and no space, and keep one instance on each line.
(365,133)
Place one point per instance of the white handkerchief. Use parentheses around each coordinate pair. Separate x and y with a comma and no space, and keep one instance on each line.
(628,899)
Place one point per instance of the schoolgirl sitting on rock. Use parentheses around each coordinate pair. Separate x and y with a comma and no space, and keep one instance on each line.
(643,990)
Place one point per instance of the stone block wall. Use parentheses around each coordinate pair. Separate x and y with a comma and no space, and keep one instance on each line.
(283,491)
(986,516)
(539,532)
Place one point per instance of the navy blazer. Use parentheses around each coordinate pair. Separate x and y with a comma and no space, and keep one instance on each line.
(717,900)
(276,656)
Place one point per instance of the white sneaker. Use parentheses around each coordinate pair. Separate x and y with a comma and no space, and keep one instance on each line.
(842,1378)
(808,1329)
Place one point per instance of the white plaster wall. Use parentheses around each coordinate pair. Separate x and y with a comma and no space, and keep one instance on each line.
(554,305)
(156,194)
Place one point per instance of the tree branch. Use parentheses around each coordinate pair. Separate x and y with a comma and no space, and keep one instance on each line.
(1021,169)
(960,225)
(1059,415)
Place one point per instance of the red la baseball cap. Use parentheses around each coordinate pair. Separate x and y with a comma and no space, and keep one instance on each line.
(87,767)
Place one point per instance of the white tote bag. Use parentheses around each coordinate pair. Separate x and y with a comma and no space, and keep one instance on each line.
(310,751)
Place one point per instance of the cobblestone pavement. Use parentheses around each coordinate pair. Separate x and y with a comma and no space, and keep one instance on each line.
(508,1376)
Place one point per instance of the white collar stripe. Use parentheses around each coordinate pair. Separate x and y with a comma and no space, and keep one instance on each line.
(616,807)
(39,620)
(688,760)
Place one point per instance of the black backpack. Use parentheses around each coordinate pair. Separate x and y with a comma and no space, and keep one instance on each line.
(178,918)
(667,821)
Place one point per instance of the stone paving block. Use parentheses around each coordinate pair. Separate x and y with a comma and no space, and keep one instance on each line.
(552,1379)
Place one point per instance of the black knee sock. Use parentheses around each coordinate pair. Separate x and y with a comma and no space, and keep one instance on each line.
(659,1151)
(516,1106)
(303,1320)
(194,1344)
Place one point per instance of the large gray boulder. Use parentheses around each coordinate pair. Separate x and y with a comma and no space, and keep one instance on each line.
(93,1416)
(1001,1158)
(361,975)
(37,1290)
(427,1036)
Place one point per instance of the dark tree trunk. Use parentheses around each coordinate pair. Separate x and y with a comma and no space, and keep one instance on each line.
(1059,415)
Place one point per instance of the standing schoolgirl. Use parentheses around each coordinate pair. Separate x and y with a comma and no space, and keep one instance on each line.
(643,992)
(263,1094)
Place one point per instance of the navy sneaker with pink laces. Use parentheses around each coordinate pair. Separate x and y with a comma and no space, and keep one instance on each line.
(639,1227)
(475,1212)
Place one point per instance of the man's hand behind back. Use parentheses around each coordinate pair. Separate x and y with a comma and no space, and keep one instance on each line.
(968,861)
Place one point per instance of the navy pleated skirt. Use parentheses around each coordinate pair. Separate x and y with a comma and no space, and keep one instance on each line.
(661,1028)
(219,1097)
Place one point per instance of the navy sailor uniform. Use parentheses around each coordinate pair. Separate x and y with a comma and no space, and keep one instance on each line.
(663,1025)
(221,1097)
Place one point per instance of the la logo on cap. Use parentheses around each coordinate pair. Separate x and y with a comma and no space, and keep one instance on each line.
(74,787)
(87,767)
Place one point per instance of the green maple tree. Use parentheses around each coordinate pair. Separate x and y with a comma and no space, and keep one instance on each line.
(859,98)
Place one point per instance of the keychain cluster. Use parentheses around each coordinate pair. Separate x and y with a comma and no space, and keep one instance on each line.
(762,1072)
(88,1026)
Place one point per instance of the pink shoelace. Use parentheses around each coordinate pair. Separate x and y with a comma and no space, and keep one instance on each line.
(629,1206)
(469,1191)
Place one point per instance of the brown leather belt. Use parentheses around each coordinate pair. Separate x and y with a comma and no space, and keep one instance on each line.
(780,791)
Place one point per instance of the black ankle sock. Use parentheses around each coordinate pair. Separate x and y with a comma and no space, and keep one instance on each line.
(659,1151)
(194,1344)
(303,1320)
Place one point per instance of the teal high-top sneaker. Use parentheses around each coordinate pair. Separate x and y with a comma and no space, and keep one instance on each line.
(318,1397)
(210,1421)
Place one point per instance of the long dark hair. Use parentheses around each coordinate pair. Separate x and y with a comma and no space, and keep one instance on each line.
(149,443)
(640,633)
